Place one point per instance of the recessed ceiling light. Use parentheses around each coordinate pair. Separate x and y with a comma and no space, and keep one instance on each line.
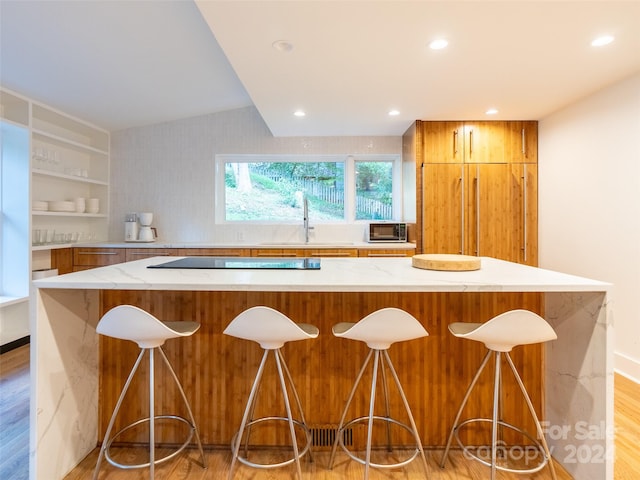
(394,113)
(438,44)
(299,113)
(491,111)
(282,46)
(602,41)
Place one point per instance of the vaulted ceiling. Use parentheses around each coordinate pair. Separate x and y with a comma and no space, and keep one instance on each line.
(346,64)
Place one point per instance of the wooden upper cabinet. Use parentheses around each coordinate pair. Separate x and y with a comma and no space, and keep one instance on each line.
(501,142)
(480,142)
(520,140)
(442,142)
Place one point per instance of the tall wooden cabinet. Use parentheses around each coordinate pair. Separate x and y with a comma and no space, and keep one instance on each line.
(477,189)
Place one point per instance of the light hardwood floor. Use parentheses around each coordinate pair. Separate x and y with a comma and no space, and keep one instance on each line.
(14,444)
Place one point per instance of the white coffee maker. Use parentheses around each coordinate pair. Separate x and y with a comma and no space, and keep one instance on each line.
(146,233)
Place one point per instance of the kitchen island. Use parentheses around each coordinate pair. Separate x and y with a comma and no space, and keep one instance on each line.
(571,379)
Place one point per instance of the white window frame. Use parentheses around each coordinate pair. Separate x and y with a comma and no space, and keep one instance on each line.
(349,179)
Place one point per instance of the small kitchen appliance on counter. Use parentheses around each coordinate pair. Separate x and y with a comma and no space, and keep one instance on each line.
(137,228)
(386,232)
(131,227)
(146,233)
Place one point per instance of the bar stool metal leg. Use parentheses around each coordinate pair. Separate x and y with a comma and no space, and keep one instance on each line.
(494,418)
(385,391)
(287,405)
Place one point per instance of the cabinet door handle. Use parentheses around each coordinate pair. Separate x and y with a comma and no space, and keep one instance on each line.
(462,184)
(470,142)
(97,253)
(386,255)
(477,210)
(330,254)
(524,213)
(455,142)
(524,143)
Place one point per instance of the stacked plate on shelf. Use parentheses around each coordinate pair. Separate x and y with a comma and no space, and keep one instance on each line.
(40,206)
(62,206)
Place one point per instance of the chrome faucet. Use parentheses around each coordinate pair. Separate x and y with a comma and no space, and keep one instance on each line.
(305,220)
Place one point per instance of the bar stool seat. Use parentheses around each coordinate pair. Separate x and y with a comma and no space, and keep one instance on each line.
(379,330)
(271,329)
(128,322)
(500,335)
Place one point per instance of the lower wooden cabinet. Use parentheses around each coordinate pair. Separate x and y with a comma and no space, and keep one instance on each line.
(85,258)
(214,252)
(62,260)
(389,252)
(140,253)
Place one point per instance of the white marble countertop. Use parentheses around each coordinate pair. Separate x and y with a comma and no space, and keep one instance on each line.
(296,245)
(335,275)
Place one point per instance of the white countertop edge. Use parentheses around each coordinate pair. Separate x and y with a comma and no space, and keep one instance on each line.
(336,275)
(269,245)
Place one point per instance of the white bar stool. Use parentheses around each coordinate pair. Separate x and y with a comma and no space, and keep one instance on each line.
(128,322)
(379,330)
(500,335)
(271,329)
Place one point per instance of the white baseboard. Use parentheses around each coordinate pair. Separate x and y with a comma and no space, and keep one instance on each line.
(627,367)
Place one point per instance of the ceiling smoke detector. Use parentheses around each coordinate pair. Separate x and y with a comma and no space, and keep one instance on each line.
(282,46)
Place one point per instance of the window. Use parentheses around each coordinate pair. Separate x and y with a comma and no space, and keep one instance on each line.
(336,188)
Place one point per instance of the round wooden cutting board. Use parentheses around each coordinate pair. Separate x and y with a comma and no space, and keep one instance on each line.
(446,262)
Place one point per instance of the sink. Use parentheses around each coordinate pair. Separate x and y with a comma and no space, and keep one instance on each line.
(302,244)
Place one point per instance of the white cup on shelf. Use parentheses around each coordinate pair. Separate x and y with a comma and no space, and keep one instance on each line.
(93,205)
(80,205)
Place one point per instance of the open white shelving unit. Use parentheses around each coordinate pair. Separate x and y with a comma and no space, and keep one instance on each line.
(69,160)
(48,156)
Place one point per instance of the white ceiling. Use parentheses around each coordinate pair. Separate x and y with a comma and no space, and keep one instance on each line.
(127,63)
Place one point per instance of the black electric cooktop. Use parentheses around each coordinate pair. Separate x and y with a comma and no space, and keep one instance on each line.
(298,263)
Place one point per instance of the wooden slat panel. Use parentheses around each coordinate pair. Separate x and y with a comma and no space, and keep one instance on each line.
(217,370)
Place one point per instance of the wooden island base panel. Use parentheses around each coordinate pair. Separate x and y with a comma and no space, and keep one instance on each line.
(217,370)
(78,375)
